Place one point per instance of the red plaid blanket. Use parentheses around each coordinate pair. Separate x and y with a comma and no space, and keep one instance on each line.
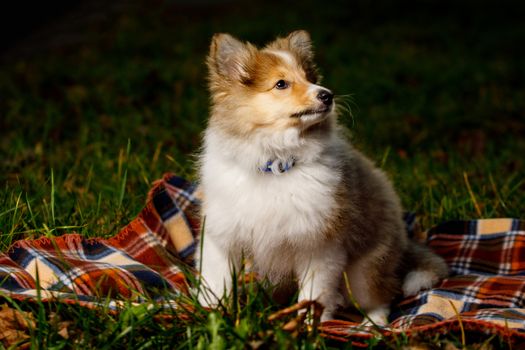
(484,292)
(145,259)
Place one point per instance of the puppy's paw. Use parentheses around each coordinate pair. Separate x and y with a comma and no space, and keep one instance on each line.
(377,317)
(207,299)
(327,316)
(418,280)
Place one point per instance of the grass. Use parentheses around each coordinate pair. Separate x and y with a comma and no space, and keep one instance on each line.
(438,100)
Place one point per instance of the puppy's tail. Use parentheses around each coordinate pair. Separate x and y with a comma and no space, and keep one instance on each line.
(424,269)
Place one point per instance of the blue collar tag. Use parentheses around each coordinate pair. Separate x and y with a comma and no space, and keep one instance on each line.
(278,166)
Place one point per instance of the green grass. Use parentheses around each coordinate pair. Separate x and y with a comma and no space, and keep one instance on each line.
(438,100)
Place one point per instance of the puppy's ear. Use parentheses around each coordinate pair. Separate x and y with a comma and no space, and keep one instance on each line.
(229,57)
(300,44)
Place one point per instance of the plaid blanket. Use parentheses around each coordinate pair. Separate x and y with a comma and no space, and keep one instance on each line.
(485,291)
(145,259)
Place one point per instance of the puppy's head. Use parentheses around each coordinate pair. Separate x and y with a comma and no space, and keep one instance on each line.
(263,90)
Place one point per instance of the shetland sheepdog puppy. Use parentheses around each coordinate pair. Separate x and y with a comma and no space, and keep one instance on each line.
(284,188)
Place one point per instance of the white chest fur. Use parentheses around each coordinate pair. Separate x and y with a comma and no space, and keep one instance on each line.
(263,215)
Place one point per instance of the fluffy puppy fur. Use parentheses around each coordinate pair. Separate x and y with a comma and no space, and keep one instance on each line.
(320,210)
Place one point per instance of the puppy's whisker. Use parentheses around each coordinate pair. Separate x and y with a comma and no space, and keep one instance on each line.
(344,106)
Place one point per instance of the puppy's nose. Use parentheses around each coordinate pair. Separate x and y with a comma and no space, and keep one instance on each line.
(325,97)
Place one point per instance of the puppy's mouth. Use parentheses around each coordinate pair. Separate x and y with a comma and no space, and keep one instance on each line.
(311,112)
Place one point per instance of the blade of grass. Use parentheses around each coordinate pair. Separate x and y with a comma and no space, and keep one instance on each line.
(385,157)
(461,328)
(124,176)
(14,217)
(500,200)
(32,215)
(52,197)
(471,194)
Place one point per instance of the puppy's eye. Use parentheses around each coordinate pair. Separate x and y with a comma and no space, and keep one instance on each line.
(281,85)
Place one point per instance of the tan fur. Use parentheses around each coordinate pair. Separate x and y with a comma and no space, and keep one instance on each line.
(256,73)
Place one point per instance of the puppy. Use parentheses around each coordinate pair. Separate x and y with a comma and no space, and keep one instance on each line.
(283,187)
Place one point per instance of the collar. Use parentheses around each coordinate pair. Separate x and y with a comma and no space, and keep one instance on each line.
(278,166)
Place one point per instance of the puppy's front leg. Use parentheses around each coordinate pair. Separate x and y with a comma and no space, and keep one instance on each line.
(320,274)
(215,273)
